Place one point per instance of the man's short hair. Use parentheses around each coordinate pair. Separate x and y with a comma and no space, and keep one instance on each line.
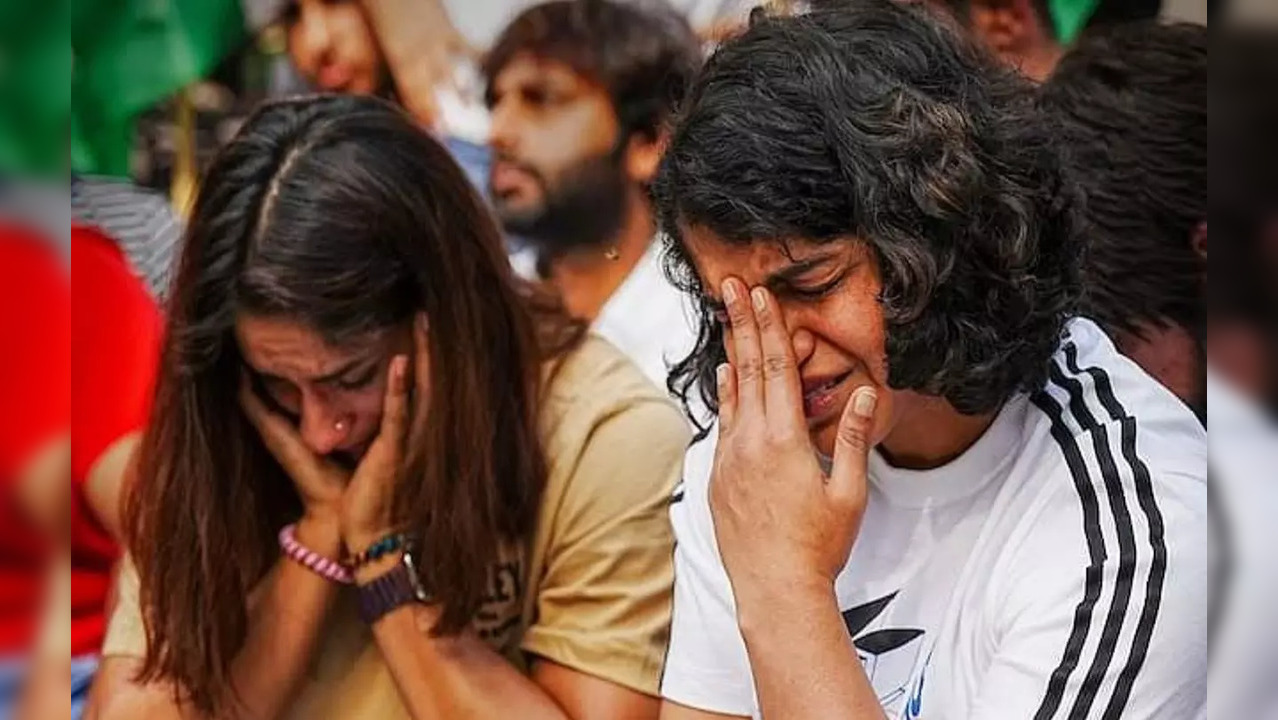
(878,121)
(1133,99)
(643,53)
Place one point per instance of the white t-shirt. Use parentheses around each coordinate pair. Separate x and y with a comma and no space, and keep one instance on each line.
(646,317)
(1244,452)
(1057,569)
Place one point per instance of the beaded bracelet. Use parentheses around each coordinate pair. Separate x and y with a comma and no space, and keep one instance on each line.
(381,548)
(326,568)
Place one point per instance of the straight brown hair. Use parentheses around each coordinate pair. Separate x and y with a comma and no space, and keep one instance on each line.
(337,212)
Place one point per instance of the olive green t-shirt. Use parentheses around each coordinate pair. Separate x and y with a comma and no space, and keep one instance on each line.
(592,591)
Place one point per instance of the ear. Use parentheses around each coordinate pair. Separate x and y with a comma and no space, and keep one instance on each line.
(643,155)
(1198,241)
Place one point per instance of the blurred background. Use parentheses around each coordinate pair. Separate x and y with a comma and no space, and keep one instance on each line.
(111,124)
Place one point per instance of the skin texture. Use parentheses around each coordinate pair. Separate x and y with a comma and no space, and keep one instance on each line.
(836,333)
(1014,31)
(334,393)
(436,677)
(545,119)
(797,314)
(548,124)
(332,44)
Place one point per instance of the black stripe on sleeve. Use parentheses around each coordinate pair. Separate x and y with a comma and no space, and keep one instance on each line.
(1094,577)
(1120,601)
(1157,536)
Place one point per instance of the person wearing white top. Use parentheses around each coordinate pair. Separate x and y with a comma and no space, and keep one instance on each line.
(580,92)
(931,491)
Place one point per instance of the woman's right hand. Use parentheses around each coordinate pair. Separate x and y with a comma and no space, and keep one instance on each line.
(319,482)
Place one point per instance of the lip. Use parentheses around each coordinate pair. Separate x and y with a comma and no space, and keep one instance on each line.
(505,178)
(334,77)
(821,395)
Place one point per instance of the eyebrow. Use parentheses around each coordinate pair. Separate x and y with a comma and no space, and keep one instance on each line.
(343,370)
(325,378)
(777,279)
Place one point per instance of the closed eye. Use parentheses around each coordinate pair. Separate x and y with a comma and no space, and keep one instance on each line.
(359,381)
(814,292)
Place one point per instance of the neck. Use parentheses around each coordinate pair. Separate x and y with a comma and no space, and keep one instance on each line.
(586,278)
(931,433)
(1171,355)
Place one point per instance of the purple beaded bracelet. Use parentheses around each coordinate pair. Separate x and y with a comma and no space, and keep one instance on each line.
(326,568)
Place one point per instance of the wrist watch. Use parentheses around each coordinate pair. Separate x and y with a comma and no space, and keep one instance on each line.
(399,586)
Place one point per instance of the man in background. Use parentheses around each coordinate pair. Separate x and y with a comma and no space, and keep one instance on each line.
(1133,100)
(580,93)
(1032,35)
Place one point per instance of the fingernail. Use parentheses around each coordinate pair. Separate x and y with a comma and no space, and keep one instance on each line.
(423,322)
(863,402)
(760,300)
(729,291)
(721,374)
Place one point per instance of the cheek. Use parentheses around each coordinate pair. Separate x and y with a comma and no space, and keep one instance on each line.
(300,51)
(854,326)
(563,137)
(365,405)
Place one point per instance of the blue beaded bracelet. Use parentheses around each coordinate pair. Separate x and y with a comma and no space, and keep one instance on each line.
(381,548)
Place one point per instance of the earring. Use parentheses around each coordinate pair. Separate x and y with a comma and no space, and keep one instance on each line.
(340,426)
(612,254)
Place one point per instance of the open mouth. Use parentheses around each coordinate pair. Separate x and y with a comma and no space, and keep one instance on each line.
(819,399)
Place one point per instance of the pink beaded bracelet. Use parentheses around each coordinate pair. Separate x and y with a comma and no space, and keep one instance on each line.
(313,561)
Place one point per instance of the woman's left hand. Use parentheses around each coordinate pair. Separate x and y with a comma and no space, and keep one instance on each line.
(366,508)
(782,524)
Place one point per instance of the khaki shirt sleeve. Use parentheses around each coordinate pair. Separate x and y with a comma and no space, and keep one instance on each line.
(603,605)
(125,635)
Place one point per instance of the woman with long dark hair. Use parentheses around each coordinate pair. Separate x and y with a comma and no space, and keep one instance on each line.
(420,445)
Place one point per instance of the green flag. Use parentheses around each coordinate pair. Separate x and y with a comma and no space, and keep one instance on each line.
(35,87)
(131,54)
(1070,17)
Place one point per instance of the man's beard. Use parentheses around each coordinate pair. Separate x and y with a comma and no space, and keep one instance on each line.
(585,209)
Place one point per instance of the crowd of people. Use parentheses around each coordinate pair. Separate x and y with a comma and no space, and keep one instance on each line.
(845,361)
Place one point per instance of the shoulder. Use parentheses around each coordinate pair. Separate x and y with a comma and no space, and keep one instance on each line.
(1111,539)
(596,396)
(1104,423)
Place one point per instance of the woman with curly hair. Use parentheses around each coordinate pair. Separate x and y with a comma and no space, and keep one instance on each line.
(933,490)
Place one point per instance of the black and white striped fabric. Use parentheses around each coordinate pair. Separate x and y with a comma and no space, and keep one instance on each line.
(1057,570)
(140,220)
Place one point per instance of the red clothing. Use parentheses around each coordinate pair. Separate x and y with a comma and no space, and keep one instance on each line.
(117,331)
(35,372)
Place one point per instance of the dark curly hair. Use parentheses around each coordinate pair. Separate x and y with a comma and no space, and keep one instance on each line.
(643,53)
(877,121)
(1133,99)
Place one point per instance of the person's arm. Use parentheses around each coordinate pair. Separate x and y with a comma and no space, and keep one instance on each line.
(602,604)
(1146,650)
(418,40)
(105,482)
(48,686)
(784,526)
(285,619)
(707,671)
(286,610)
(461,677)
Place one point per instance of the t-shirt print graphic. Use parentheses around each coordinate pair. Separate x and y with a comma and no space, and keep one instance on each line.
(889,654)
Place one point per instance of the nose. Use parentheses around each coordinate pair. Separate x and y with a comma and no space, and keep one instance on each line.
(323,428)
(501,128)
(804,343)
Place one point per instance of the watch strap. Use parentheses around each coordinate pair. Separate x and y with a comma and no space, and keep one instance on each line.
(398,586)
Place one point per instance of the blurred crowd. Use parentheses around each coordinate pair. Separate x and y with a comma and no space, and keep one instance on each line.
(678,359)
